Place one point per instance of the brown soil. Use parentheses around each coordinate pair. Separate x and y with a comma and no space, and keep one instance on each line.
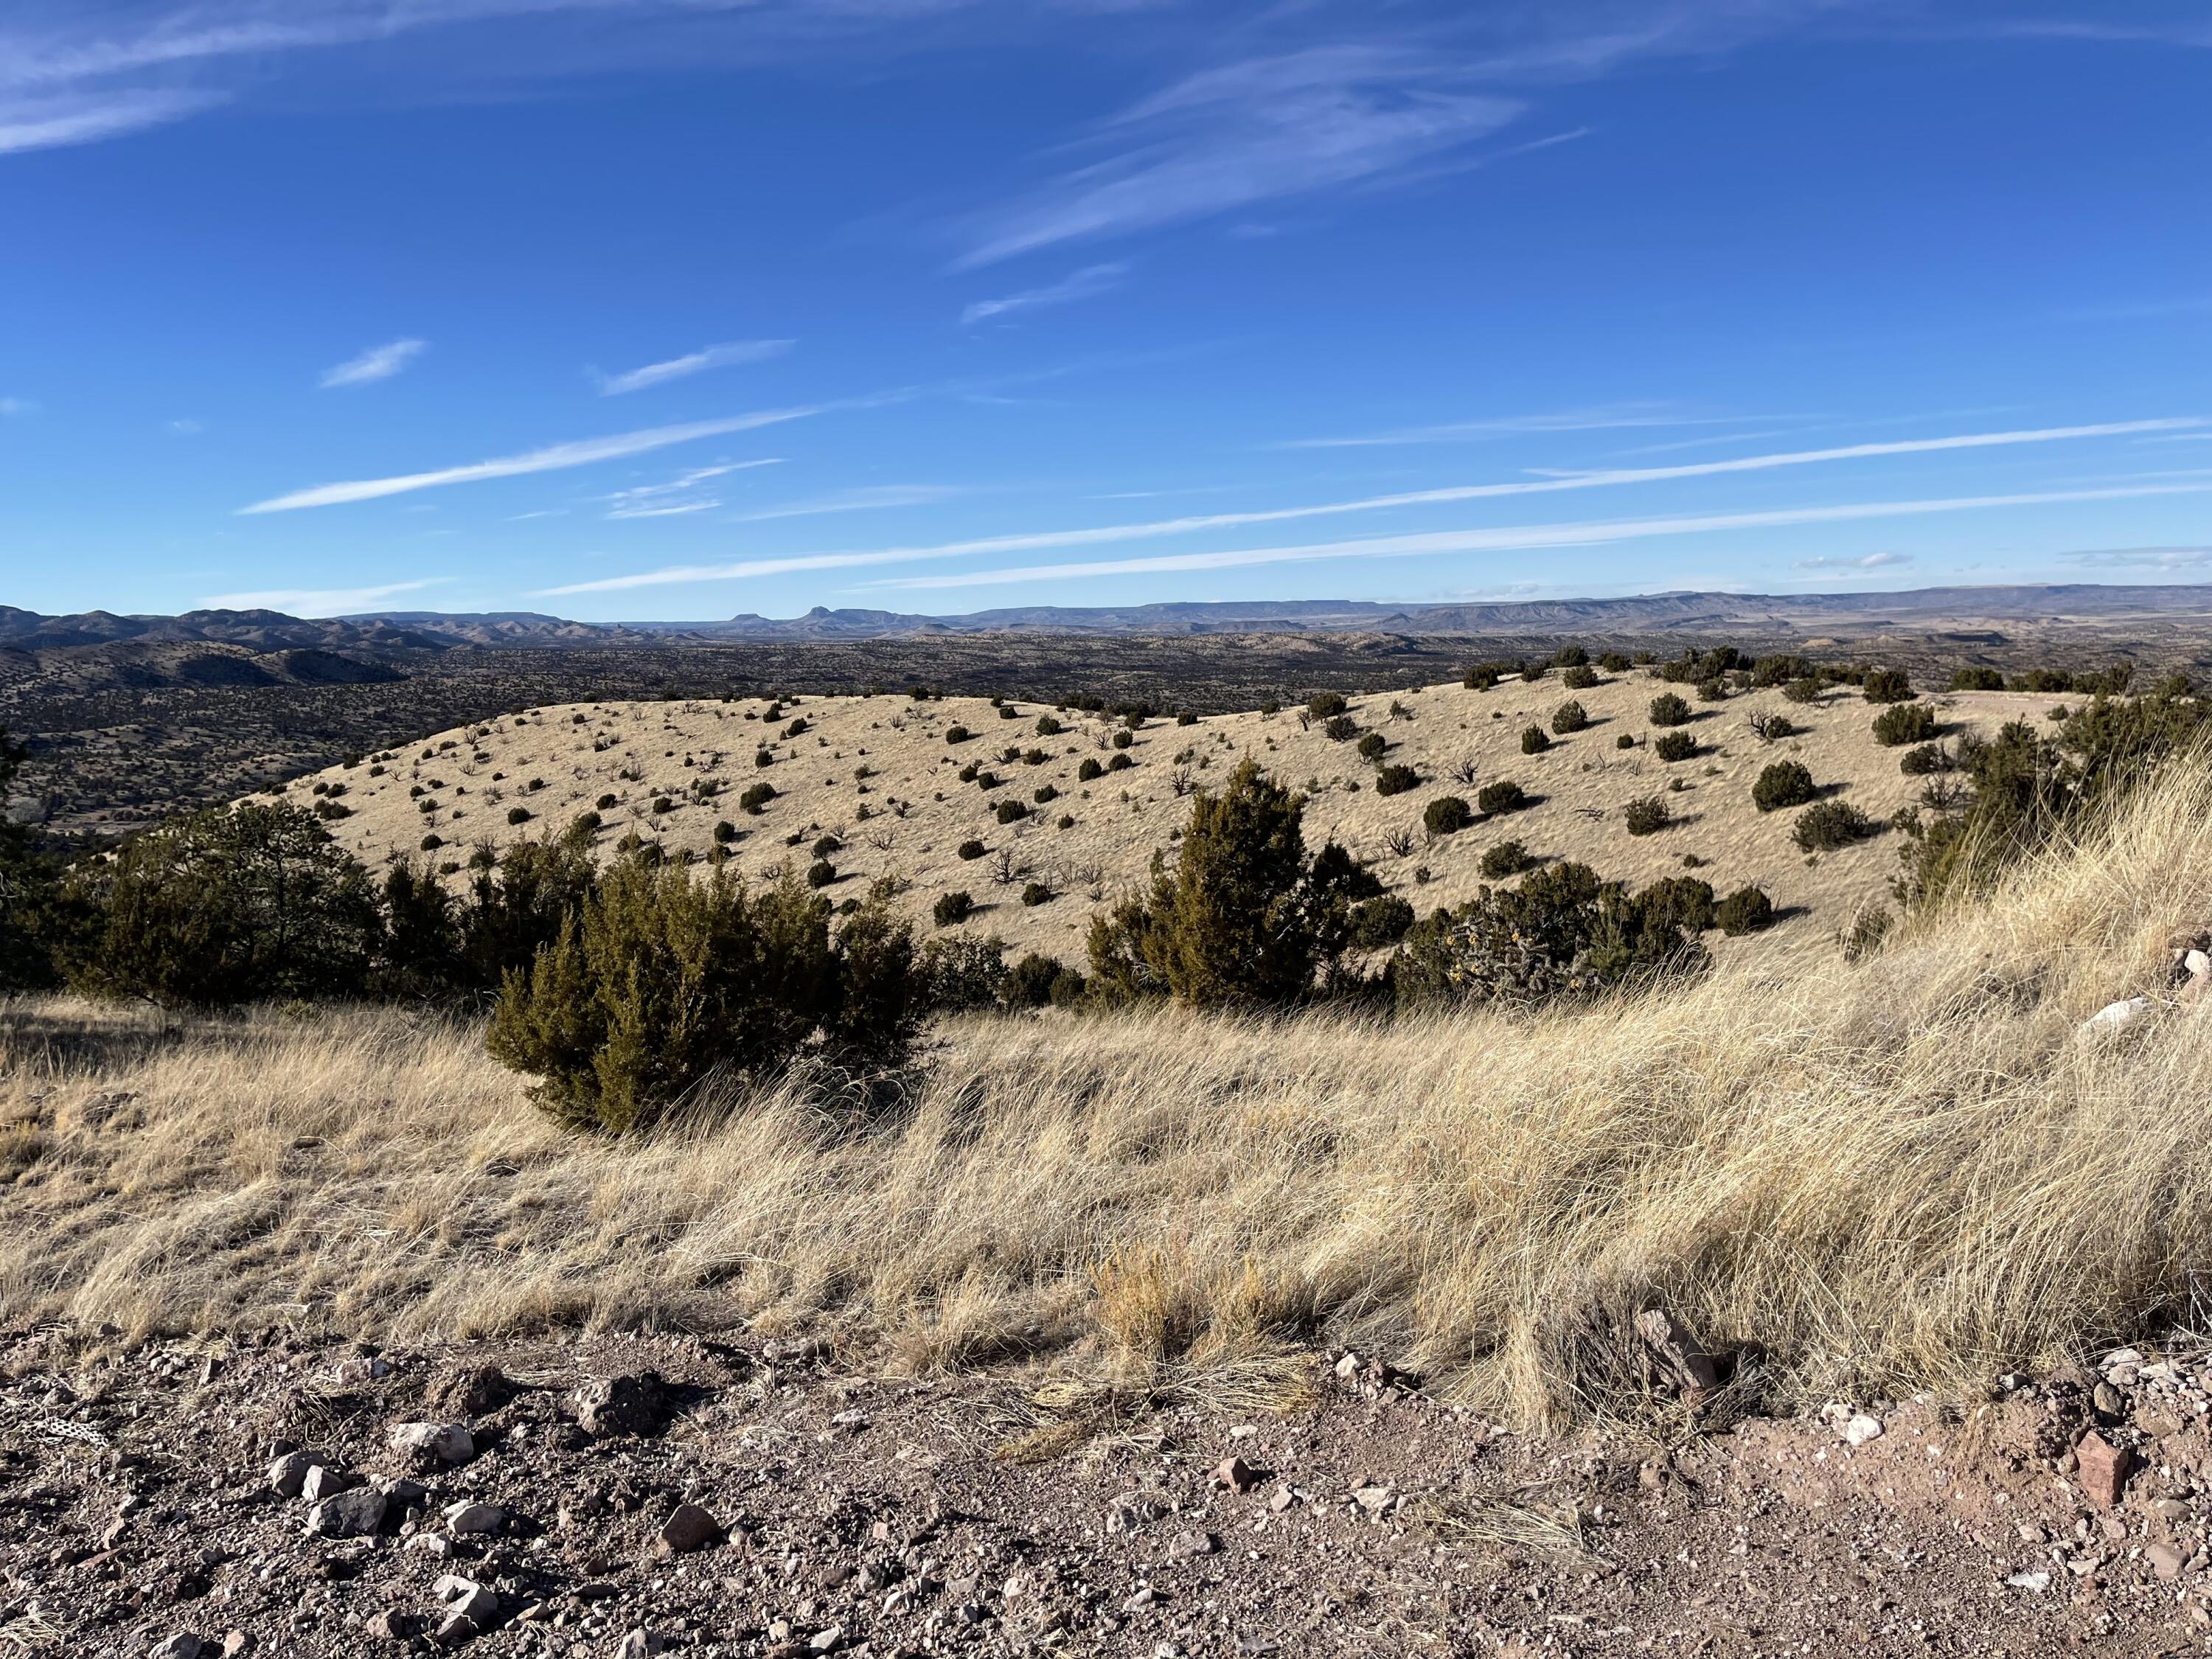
(135,1507)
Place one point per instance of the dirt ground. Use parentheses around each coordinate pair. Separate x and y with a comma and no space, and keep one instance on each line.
(840,1512)
(879,775)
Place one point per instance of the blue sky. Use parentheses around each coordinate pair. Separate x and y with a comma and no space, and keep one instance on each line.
(678,309)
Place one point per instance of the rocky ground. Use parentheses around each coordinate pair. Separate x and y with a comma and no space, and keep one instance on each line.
(635,1496)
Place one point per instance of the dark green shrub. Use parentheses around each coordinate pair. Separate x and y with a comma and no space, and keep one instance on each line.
(1569,716)
(608,803)
(1785,783)
(431,843)
(1036,893)
(1047,726)
(958,734)
(1929,757)
(1372,746)
(666,980)
(1232,923)
(1532,672)
(1579,678)
(1769,672)
(1011,810)
(1506,860)
(1327,705)
(518,815)
(1342,728)
(1886,685)
(1670,709)
(725,832)
(1674,745)
(1977,679)
(1089,770)
(1067,821)
(1614,662)
(1826,825)
(1804,688)
(1646,815)
(1120,763)
(757,796)
(586,824)
(1904,722)
(1493,798)
(663,803)
(824,846)
(1560,933)
(1570,656)
(821,873)
(1448,815)
(1682,901)
(1044,792)
(951,908)
(1712,690)
(1745,910)
(230,905)
(1379,923)
(1626,740)
(1028,982)
(1122,739)
(1773,728)
(961,974)
(1480,677)
(971,850)
(1535,740)
(1395,780)
(1184,717)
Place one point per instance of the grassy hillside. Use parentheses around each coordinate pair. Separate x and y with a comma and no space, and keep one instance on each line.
(878,775)
(1917,1170)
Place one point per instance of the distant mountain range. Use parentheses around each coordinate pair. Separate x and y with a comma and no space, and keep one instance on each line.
(385,634)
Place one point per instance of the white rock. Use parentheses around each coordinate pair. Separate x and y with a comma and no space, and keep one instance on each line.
(2117,1016)
(2199,964)
(1862,1429)
(467,1598)
(323,1481)
(449,1443)
(473,1517)
(183,1645)
(638,1644)
(433,1544)
(2029,1581)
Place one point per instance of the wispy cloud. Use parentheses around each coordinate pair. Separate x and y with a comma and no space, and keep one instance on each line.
(377,363)
(1233,136)
(13,407)
(680,495)
(1530,538)
(1863,561)
(317,601)
(1611,417)
(1038,541)
(187,428)
(2142,558)
(584,451)
(51,122)
(729,356)
(1090,281)
(867,498)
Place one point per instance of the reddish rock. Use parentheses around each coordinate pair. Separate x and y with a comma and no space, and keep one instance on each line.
(1234,1473)
(2105,1469)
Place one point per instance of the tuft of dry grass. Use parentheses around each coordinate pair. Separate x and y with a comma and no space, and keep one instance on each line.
(1909,1171)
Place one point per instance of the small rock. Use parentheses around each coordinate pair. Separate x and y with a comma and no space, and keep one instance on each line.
(466,1517)
(2198,964)
(1348,1366)
(457,1628)
(235,1643)
(2029,1581)
(639,1643)
(827,1641)
(323,1482)
(2164,1561)
(1862,1429)
(1694,1370)
(1282,1498)
(288,1473)
(354,1514)
(622,1405)
(688,1528)
(437,1546)
(1144,1598)
(1375,1499)
(2104,1470)
(182,1645)
(478,1603)
(2117,1016)
(391,1626)
(1130,1511)
(2109,1401)
(1186,1544)
(448,1443)
(1235,1474)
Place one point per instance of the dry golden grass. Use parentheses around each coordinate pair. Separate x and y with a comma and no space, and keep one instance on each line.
(1914,1171)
